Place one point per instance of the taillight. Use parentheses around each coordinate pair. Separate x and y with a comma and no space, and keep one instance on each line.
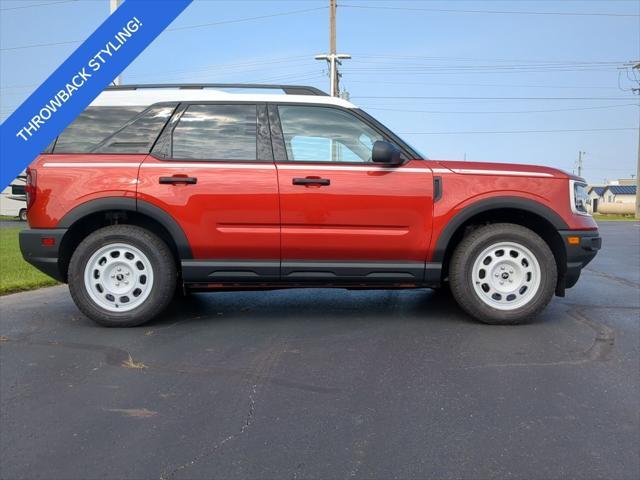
(30,187)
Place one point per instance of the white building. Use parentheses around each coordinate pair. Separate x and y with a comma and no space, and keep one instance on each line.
(595,193)
(619,194)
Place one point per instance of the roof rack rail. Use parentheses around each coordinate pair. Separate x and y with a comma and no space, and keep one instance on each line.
(288,89)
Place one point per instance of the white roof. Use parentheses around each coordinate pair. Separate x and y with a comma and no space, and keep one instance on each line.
(149,96)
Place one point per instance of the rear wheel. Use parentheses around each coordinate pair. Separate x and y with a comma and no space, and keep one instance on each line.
(23,215)
(503,274)
(122,276)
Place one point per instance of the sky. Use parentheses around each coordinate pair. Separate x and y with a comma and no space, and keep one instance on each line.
(498,81)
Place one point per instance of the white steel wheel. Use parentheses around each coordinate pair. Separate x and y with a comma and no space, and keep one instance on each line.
(118,277)
(506,276)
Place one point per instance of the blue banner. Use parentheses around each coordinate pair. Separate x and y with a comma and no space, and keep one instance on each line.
(80,79)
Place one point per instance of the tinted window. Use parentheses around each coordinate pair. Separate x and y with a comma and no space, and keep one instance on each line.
(139,135)
(93,126)
(216,132)
(323,134)
(18,190)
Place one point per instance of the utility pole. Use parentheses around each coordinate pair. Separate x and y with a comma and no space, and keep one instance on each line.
(637,90)
(638,180)
(580,154)
(113,5)
(333,58)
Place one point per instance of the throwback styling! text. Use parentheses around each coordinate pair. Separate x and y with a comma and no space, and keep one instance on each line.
(78,80)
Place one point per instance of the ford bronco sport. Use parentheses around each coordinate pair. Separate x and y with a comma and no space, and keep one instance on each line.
(158,188)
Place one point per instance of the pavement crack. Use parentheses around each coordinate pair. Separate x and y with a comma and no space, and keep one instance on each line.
(249,419)
(252,409)
(298,469)
(265,365)
(117,357)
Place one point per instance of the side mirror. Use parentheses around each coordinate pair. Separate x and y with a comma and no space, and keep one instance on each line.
(385,152)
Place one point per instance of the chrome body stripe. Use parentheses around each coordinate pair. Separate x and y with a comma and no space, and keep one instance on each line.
(90,164)
(501,172)
(354,168)
(249,166)
(270,166)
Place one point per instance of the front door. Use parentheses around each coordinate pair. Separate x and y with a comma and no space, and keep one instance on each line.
(343,217)
(212,170)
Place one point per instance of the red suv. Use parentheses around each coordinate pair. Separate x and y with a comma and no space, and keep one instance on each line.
(158,188)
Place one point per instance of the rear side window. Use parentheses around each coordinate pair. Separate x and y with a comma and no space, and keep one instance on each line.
(140,134)
(93,126)
(114,130)
(216,132)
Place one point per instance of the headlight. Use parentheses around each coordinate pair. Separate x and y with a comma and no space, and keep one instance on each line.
(580,199)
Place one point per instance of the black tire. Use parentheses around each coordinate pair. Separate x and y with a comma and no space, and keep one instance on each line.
(23,215)
(163,268)
(465,255)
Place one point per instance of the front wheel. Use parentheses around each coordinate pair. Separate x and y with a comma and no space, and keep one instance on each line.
(22,215)
(122,276)
(503,274)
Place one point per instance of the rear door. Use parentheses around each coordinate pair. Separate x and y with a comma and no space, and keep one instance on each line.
(212,170)
(344,218)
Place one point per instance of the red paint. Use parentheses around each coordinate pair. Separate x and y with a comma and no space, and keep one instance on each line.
(60,189)
(230,213)
(381,213)
(253,211)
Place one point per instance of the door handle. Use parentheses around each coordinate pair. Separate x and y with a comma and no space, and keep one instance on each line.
(177,179)
(311,181)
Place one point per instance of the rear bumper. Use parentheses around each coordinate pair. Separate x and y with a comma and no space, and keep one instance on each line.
(579,254)
(44,258)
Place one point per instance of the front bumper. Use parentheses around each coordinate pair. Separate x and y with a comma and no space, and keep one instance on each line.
(579,254)
(43,257)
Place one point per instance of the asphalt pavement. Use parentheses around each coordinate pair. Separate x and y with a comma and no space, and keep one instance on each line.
(13,224)
(329,384)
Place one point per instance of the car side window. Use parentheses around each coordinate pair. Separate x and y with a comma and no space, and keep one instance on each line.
(325,134)
(93,126)
(138,135)
(216,132)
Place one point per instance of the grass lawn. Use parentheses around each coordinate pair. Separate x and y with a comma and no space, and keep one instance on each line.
(16,274)
(605,218)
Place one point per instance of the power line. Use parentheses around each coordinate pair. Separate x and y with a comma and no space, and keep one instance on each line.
(430,67)
(227,66)
(505,112)
(403,71)
(202,25)
(519,131)
(36,5)
(483,59)
(501,85)
(488,98)
(41,45)
(260,17)
(498,12)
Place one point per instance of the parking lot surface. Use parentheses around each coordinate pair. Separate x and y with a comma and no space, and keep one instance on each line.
(13,224)
(329,384)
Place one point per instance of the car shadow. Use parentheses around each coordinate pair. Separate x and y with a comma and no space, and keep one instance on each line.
(318,305)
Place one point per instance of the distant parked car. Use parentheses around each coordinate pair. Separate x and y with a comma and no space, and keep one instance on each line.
(162,187)
(13,200)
